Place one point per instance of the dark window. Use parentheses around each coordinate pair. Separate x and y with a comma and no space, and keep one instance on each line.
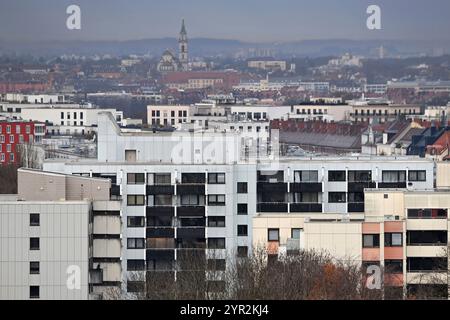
(34,244)
(216,264)
(393,266)
(216,222)
(161,178)
(417,175)
(271,176)
(242,230)
(427,237)
(34,292)
(135,222)
(242,187)
(135,243)
(336,197)
(359,176)
(34,219)
(420,264)
(192,178)
(216,200)
(371,240)
(135,265)
(273,235)
(394,176)
(216,243)
(427,213)
(159,221)
(216,178)
(336,175)
(135,178)
(34,267)
(242,251)
(306,176)
(242,208)
(393,239)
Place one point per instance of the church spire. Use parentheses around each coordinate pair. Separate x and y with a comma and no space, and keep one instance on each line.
(183,47)
(183,28)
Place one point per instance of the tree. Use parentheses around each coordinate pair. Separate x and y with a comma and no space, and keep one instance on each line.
(8,179)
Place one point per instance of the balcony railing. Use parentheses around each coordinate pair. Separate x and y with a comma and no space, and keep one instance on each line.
(359,186)
(195,233)
(355,207)
(160,211)
(190,189)
(306,187)
(160,232)
(305,207)
(191,211)
(160,189)
(392,185)
(268,187)
(272,207)
(159,254)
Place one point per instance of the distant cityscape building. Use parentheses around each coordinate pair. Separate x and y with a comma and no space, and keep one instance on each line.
(169,62)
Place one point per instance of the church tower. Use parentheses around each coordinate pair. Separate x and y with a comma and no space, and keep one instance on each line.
(183,44)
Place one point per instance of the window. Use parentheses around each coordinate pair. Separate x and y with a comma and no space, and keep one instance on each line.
(242,208)
(135,200)
(34,292)
(192,178)
(135,265)
(160,178)
(242,187)
(216,264)
(394,176)
(17,128)
(336,175)
(34,267)
(393,239)
(34,219)
(295,233)
(216,199)
(135,243)
(416,175)
(306,176)
(336,197)
(216,222)
(216,178)
(273,235)
(135,222)
(162,200)
(11,139)
(359,176)
(393,266)
(427,213)
(190,200)
(34,244)
(371,240)
(2,138)
(216,243)
(135,178)
(242,251)
(62,115)
(242,230)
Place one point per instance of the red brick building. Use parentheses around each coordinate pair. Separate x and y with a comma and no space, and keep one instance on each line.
(14,133)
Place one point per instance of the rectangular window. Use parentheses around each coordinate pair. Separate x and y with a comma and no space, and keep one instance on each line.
(216,222)
(371,240)
(242,187)
(135,243)
(135,222)
(34,244)
(216,243)
(216,178)
(359,176)
(135,178)
(242,230)
(336,175)
(417,175)
(295,233)
(34,267)
(242,251)
(193,178)
(242,208)
(62,115)
(273,235)
(394,176)
(34,219)
(216,200)
(162,200)
(393,266)
(393,239)
(11,139)
(306,176)
(190,200)
(34,292)
(135,265)
(135,200)
(336,197)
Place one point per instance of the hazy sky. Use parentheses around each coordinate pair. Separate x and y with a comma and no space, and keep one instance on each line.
(250,20)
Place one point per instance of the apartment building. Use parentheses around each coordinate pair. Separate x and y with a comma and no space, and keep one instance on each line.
(14,133)
(382,112)
(197,191)
(60,238)
(168,115)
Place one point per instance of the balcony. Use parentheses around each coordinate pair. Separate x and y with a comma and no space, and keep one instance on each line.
(160,189)
(306,187)
(272,207)
(355,207)
(155,232)
(160,211)
(190,189)
(268,187)
(191,211)
(392,185)
(305,207)
(160,254)
(193,233)
(115,192)
(360,186)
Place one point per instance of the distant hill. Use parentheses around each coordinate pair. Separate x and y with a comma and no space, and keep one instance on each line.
(211,47)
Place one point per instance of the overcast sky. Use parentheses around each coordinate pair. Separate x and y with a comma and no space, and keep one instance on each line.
(249,20)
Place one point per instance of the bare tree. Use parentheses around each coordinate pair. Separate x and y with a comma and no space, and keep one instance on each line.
(30,155)
(8,179)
